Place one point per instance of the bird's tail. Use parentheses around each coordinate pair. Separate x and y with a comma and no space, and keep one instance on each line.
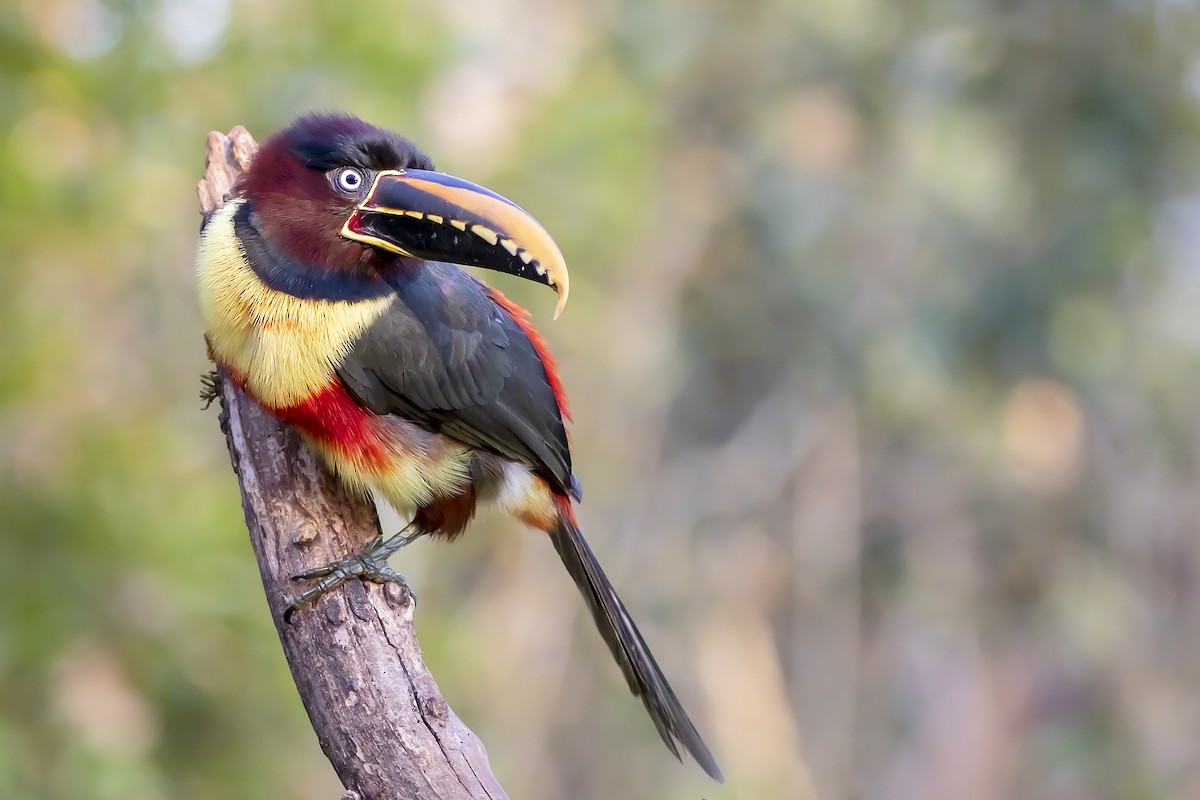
(627,645)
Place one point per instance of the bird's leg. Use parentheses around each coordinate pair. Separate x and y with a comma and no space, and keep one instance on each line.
(370,564)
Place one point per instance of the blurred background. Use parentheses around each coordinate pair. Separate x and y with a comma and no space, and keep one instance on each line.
(884,345)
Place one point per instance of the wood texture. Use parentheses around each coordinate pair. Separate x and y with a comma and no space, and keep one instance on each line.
(373,704)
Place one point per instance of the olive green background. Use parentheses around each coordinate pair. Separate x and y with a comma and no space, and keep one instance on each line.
(883,343)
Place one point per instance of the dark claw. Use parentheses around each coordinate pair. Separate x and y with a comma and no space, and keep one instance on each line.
(210,388)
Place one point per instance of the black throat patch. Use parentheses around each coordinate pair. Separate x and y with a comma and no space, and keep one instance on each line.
(281,272)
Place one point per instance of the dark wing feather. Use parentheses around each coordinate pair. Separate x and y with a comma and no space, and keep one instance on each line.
(446,356)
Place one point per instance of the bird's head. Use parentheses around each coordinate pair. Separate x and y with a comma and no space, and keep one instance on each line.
(338,192)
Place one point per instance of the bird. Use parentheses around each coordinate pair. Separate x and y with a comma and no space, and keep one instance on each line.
(332,291)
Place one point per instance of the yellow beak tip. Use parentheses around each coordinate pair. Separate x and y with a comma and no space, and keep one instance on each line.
(562,303)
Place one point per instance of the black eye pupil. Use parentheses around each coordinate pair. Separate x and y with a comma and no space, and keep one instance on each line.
(350,180)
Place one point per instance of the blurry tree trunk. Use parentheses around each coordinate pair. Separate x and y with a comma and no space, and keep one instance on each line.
(374,706)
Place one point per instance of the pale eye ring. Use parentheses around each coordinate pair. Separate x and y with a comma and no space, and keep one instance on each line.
(349,180)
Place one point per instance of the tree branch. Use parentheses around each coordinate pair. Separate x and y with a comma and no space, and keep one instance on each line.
(373,704)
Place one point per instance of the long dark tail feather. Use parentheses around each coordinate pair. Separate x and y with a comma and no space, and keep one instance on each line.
(628,647)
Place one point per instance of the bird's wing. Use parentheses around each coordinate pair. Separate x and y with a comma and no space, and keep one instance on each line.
(451,357)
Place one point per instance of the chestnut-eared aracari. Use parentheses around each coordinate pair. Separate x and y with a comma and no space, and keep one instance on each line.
(330,293)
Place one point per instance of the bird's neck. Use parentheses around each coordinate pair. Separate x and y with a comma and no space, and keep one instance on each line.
(285,338)
(283,272)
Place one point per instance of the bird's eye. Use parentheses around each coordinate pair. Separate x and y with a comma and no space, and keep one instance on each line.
(349,180)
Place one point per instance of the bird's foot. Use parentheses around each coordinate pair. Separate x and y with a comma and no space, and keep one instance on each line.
(210,388)
(368,565)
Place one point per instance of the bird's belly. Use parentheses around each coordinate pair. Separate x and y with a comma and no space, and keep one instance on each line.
(406,465)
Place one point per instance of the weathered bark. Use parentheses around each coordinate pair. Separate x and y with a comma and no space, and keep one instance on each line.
(373,704)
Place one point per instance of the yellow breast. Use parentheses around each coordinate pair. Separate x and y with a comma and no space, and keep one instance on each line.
(285,346)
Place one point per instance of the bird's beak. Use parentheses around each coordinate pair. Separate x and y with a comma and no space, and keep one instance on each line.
(436,216)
